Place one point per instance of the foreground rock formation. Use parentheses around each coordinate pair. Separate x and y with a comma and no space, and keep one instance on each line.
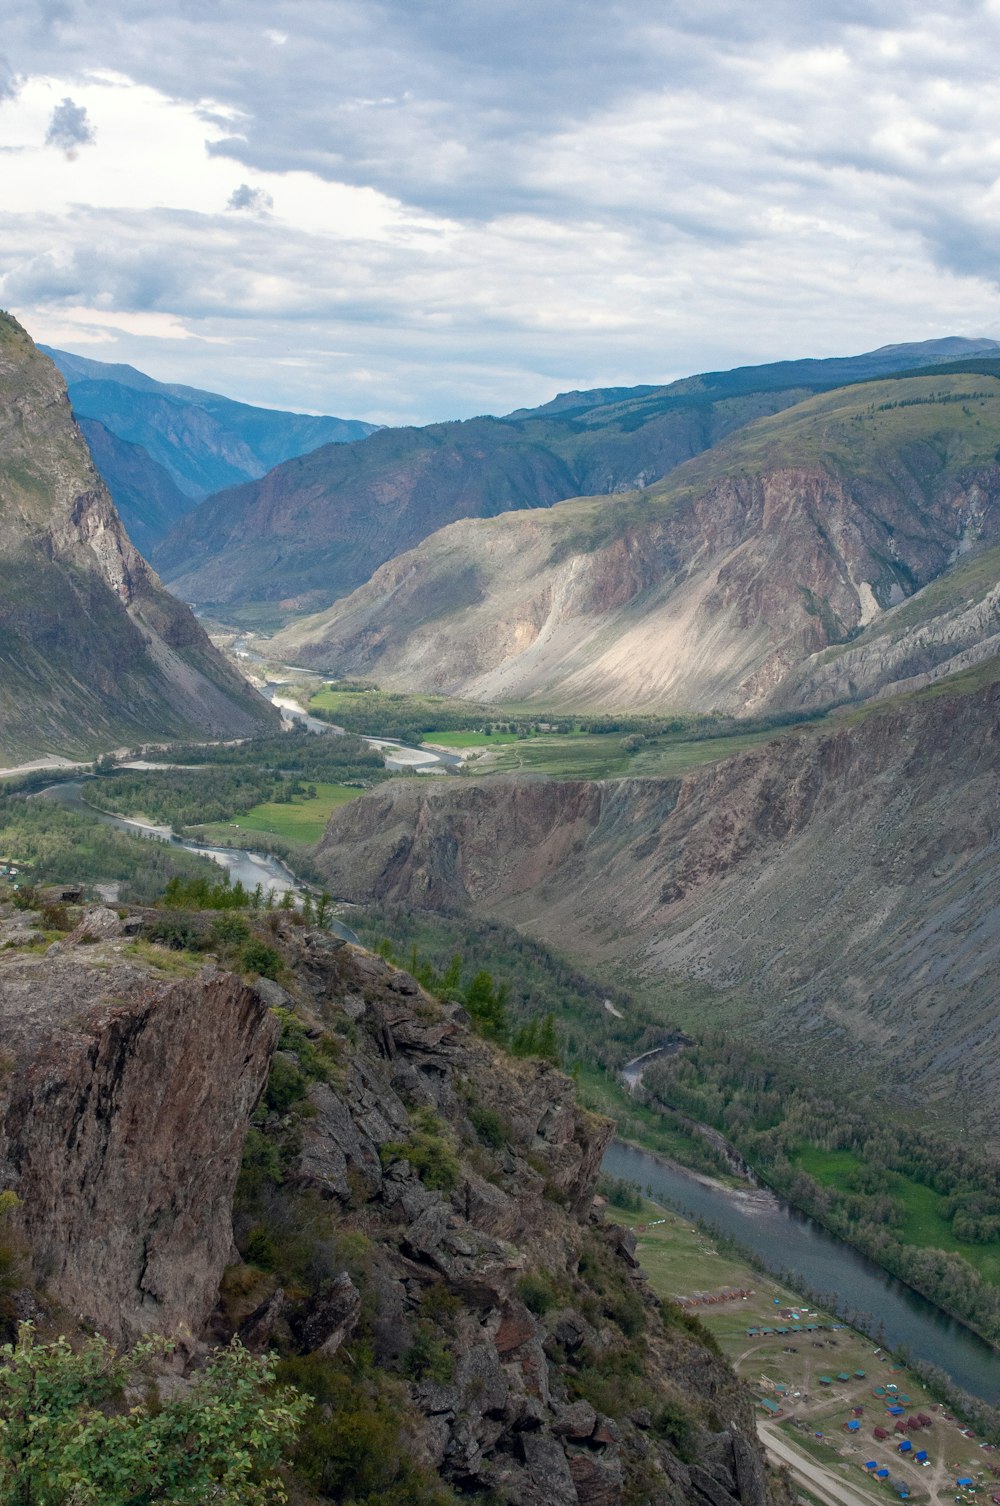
(414,1213)
(93,651)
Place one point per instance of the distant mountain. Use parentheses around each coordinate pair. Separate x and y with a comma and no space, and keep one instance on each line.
(316,528)
(761,574)
(201,441)
(93,651)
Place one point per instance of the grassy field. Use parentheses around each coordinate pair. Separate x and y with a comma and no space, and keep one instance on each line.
(602,755)
(925,1223)
(468,739)
(302,820)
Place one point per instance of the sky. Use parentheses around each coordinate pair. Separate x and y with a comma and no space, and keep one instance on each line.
(409,210)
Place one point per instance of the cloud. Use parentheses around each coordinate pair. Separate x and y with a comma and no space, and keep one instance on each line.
(253,200)
(69,127)
(450,208)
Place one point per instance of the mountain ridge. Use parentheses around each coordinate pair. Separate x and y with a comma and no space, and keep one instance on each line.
(314,530)
(94,650)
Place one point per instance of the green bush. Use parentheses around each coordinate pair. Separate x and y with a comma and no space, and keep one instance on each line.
(490,1128)
(428,1357)
(427,1151)
(65,1438)
(674,1424)
(260,958)
(229,927)
(285,1085)
(537,1294)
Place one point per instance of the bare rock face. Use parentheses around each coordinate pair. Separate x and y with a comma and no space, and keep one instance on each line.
(123,1112)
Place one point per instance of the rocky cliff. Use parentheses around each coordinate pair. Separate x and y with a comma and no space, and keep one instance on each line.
(834,888)
(413,1219)
(93,650)
(124,1101)
(720,588)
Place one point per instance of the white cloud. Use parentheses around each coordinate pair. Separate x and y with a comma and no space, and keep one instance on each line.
(448,209)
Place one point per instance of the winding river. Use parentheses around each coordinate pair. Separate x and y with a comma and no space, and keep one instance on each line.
(786,1241)
(247,868)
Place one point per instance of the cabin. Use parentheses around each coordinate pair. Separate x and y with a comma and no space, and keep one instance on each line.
(880,1434)
(853,1425)
(872,1464)
(921,1457)
(906,1446)
(924,1420)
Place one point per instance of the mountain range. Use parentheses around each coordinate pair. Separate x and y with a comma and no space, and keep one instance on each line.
(162,447)
(317,527)
(93,651)
(768,572)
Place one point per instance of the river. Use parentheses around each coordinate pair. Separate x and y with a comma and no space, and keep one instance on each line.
(788,1241)
(247,868)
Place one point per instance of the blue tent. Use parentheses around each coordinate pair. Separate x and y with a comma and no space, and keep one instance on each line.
(872,1464)
(882,1474)
(905,1446)
(854,1424)
(966,1480)
(921,1456)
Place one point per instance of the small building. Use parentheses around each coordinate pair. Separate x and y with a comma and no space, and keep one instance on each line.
(881,1474)
(921,1456)
(859,1375)
(825,1380)
(853,1425)
(769,1406)
(872,1464)
(906,1446)
(842,1375)
(965,1481)
(880,1434)
(924,1420)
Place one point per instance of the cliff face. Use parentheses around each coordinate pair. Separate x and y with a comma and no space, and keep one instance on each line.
(715,589)
(822,883)
(414,1215)
(93,650)
(124,1103)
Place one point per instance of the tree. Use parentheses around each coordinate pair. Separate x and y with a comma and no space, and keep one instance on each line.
(67,1438)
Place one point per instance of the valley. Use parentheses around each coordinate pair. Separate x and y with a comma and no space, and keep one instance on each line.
(699,768)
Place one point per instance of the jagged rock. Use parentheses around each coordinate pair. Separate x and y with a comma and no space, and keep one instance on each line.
(548,1469)
(598,1480)
(272,994)
(516,1327)
(121,1129)
(257,1331)
(332,1318)
(576,1421)
(98,923)
(571,1331)
(332,1146)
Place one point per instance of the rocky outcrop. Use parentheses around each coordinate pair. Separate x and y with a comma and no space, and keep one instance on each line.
(816,881)
(124,1102)
(93,651)
(712,590)
(464,1237)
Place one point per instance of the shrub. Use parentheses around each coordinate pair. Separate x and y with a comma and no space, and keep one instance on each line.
(260,958)
(229,927)
(285,1085)
(491,1129)
(537,1294)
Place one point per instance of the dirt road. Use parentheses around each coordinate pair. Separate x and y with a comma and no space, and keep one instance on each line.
(808,1472)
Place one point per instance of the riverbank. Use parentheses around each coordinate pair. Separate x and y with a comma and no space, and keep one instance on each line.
(793,1246)
(803,1362)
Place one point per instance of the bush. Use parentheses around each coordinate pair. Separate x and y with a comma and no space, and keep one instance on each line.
(65,1437)
(260,958)
(537,1294)
(229,928)
(491,1129)
(427,1152)
(285,1085)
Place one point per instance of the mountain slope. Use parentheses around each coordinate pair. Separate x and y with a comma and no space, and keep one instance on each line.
(315,530)
(147,498)
(835,888)
(709,590)
(202,440)
(93,650)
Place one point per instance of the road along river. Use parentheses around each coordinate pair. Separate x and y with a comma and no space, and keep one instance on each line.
(787,1241)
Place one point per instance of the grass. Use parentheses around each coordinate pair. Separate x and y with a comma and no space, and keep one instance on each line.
(925,1225)
(302,820)
(468,739)
(601,755)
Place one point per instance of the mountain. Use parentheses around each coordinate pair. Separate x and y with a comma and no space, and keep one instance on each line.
(760,574)
(315,529)
(201,441)
(93,650)
(830,894)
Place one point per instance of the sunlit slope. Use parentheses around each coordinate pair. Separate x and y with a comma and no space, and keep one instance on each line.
(712,589)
